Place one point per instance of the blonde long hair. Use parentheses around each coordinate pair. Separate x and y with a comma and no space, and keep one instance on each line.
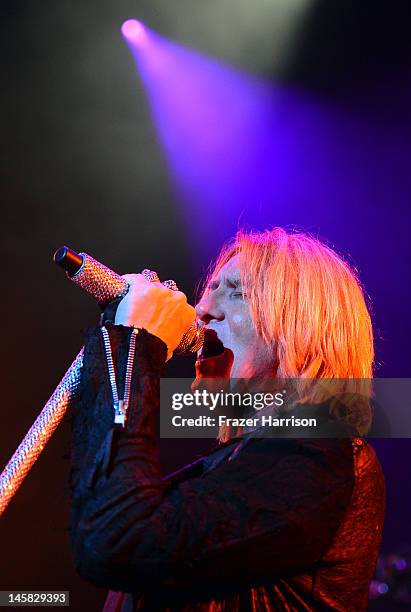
(308,305)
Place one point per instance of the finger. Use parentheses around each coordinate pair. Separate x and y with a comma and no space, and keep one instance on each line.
(178,295)
(190,314)
(133,279)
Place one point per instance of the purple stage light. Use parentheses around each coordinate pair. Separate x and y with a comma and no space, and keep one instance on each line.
(242,150)
(210,119)
(133,30)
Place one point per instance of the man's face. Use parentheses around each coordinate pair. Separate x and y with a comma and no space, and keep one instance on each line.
(224,310)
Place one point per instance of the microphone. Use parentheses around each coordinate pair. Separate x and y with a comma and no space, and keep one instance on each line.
(105,286)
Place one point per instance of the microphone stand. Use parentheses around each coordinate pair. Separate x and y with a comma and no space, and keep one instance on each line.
(106,286)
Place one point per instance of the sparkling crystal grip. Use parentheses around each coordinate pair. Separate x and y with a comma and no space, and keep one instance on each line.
(105,286)
(39,434)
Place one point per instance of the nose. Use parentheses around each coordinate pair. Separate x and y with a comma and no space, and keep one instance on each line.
(209,308)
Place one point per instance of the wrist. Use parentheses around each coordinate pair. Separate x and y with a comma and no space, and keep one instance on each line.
(128,323)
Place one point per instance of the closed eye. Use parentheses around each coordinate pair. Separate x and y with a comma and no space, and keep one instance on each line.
(230,283)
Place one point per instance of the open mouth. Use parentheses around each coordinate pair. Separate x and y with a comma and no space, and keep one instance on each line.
(212,346)
(215,360)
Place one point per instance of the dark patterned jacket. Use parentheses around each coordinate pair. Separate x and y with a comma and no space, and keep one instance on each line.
(258,524)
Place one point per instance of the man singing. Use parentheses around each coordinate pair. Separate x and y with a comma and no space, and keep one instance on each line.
(260,523)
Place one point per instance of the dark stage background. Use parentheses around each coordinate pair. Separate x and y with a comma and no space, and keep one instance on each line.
(85,162)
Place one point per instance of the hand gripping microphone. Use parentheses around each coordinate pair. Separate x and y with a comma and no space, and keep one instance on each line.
(106,286)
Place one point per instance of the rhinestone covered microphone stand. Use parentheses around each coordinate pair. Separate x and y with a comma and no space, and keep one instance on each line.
(105,286)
